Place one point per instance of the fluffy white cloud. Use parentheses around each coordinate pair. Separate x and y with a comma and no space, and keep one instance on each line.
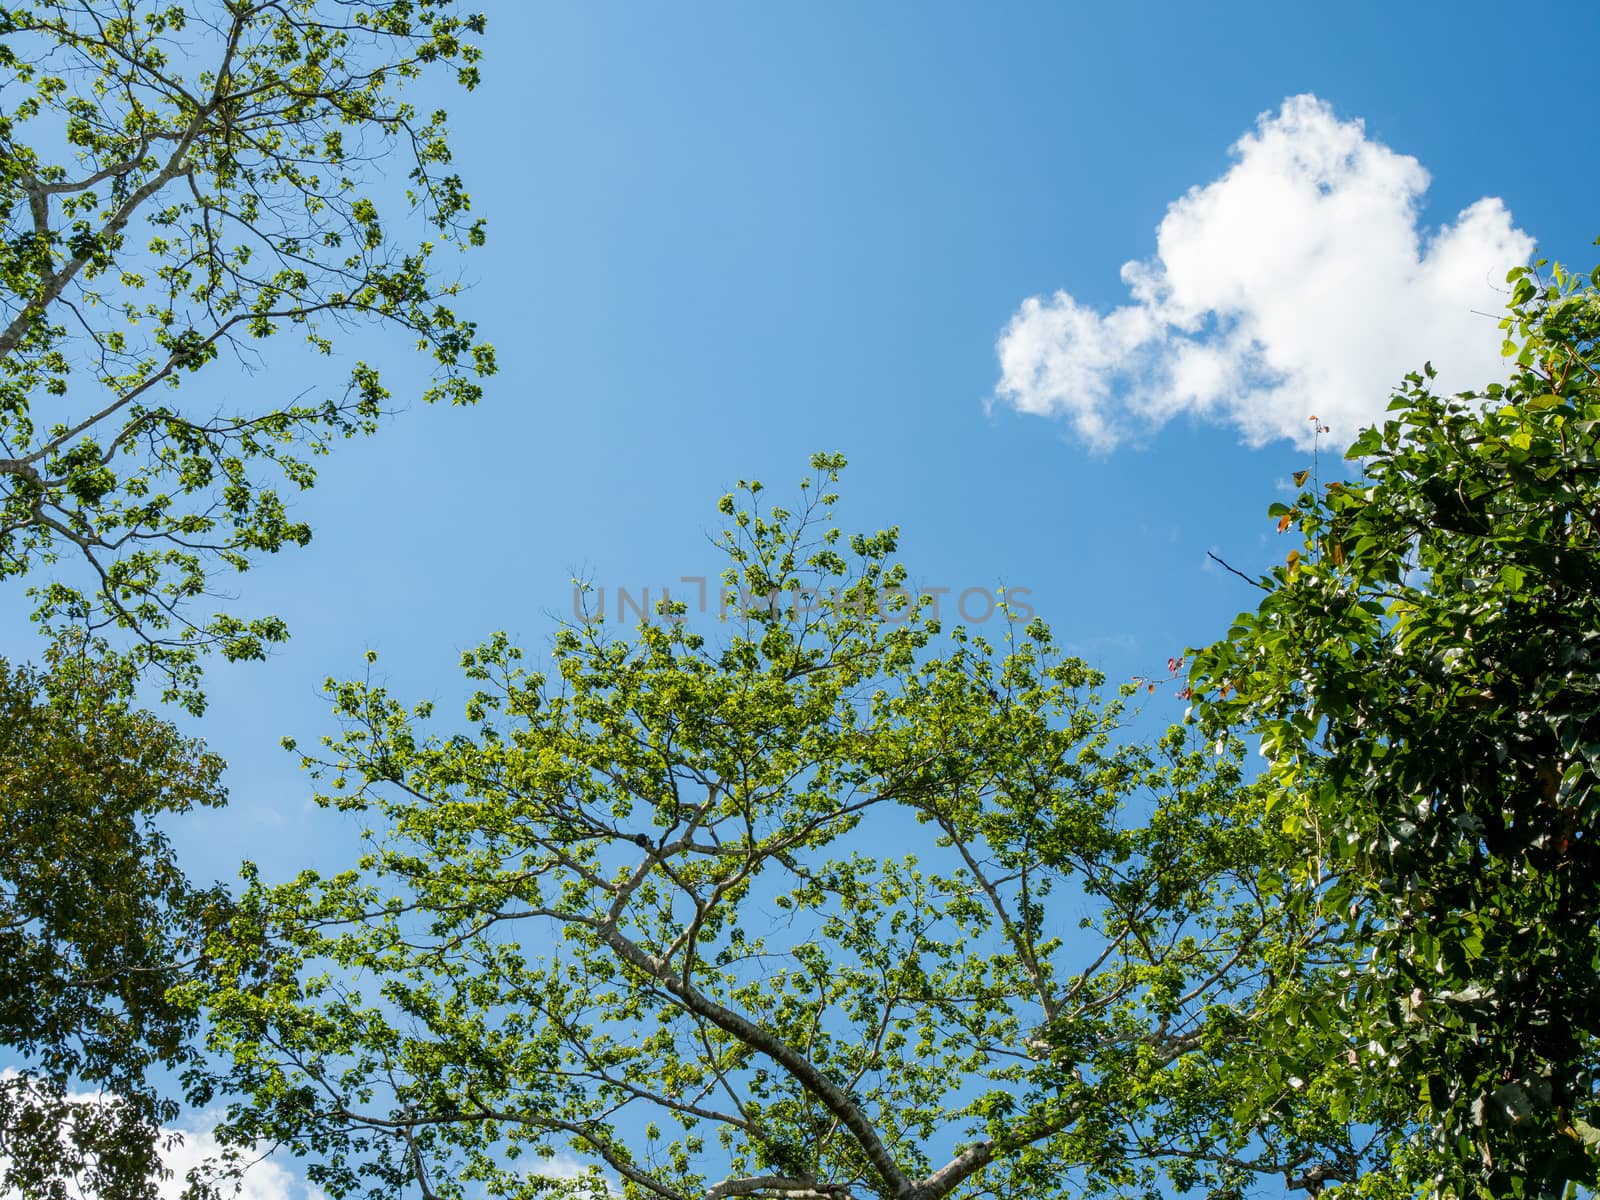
(1297,283)
(263,1180)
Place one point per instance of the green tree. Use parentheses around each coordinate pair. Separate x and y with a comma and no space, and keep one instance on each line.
(96,925)
(1422,675)
(180,183)
(839,904)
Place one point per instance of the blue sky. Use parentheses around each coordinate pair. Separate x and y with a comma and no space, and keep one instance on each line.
(725,235)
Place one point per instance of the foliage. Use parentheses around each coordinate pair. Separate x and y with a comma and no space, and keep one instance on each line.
(1422,674)
(841,906)
(180,183)
(95,922)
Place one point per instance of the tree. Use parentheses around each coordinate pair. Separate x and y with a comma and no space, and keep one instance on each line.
(1421,674)
(179,184)
(96,925)
(843,905)
(184,182)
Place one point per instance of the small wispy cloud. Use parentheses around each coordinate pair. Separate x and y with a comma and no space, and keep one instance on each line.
(1103,643)
(1298,283)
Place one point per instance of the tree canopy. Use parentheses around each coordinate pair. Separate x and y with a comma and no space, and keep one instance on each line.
(839,905)
(826,902)
(1421,674)
(97,926)
(180,184)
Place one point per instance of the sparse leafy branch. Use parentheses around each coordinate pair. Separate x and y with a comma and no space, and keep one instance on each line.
(179,182)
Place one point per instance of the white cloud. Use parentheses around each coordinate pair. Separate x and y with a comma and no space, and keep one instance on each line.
(1297,283)
(565,1167)
(263,1180)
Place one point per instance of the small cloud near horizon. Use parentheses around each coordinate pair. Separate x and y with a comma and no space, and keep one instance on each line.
(1298,283)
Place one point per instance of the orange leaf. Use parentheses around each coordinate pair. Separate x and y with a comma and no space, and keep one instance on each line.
(1283,522)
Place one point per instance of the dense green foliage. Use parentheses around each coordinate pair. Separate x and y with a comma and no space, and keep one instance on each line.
(178,184)
(835,905)
(96,926)
(1424,679)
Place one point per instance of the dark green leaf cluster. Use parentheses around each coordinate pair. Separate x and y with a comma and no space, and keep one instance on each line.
(1423,676)
(97,925)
